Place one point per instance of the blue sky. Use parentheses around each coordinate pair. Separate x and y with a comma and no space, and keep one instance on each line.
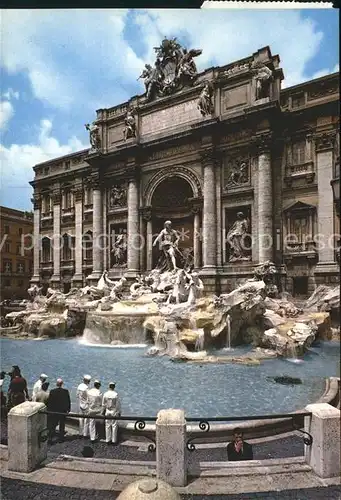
(58,67)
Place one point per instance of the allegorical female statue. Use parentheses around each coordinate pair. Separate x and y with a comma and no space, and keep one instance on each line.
(236,237)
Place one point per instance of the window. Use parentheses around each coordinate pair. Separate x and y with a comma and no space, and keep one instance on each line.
(47,204)
(300,286)
(7,266)
(298,153)
(67,198)
(46,171)
(67,165)
(20,283)
(88,196)
(46,250)
(7,283)
(67,247)
(20,267)
(87,245)
(18,249)
(7,247)
(20,231)
(7,229)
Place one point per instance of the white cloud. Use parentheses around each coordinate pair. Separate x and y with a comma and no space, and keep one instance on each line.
(11,94)
(6,113)
(82,57)
(70,56)
(17,161)
(226,36)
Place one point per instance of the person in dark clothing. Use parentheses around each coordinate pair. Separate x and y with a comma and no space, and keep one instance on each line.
(3,397)
(59,401)
(239,449)
(17,391)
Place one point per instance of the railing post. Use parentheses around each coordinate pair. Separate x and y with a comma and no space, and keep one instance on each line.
(324,425)
(27,437)
(171,463)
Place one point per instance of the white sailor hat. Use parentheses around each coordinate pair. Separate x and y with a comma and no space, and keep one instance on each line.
(87,377)
(112,383)
(97,381)
(43,375)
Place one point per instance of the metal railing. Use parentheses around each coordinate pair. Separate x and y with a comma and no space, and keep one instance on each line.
(203,423)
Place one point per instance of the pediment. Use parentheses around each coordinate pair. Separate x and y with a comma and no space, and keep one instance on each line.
(298,206)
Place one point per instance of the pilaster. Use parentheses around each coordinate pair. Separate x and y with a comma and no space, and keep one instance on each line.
(77,279)
(209,211)
(36,238)
(265,197)
(56,238)
(134,238)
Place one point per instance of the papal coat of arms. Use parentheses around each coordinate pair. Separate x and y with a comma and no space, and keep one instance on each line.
(173,69)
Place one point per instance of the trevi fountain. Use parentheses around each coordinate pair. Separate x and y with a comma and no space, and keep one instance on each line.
(168,344)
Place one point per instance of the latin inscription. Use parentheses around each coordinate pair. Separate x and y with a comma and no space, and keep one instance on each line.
(235,97)
(171,117)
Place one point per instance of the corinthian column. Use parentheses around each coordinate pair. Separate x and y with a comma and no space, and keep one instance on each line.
(265,219)
(97,252)
(133,249)
(77,279)
(147,217)
(209,211)
(36,239)
(56,239)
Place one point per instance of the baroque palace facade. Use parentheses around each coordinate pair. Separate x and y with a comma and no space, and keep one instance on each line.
(219,153)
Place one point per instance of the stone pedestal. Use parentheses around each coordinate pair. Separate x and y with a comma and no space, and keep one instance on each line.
(151,489)
(324,453)
(25,449)
(171,447)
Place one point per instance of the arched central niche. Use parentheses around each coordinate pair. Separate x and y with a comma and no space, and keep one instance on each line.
(170,200)
(172,195)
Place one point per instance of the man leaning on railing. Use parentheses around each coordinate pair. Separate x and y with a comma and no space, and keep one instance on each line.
(239,449)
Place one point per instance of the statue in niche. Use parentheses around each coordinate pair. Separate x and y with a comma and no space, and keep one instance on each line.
(119,251)
(238,174)
(168,239)
(263,77)
(205,102)
(236,237)
(130,124)
(95,140)
(118,197)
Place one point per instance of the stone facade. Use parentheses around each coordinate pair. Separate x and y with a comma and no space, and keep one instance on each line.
(273,158)
(16,253)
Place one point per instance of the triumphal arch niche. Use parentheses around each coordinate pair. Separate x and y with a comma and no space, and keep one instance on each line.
(176,195)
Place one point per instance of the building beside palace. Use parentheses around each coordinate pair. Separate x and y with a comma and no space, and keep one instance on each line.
(16,229)
(199,149)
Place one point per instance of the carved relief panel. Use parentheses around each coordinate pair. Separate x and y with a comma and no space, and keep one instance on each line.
(236,172)
(117,196)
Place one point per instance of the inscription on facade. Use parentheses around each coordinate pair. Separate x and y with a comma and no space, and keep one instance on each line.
(115,134)
(166,153)
(236,96)
(171,117)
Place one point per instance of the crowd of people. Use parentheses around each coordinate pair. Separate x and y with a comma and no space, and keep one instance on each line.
(92,403)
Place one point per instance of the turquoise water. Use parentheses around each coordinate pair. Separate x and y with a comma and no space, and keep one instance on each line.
(147,384)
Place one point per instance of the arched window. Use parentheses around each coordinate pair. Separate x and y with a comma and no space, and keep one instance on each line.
(87,246)
(67,250)
(46,250)
(68,198)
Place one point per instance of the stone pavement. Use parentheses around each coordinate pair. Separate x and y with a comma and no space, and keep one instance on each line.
(14,489)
